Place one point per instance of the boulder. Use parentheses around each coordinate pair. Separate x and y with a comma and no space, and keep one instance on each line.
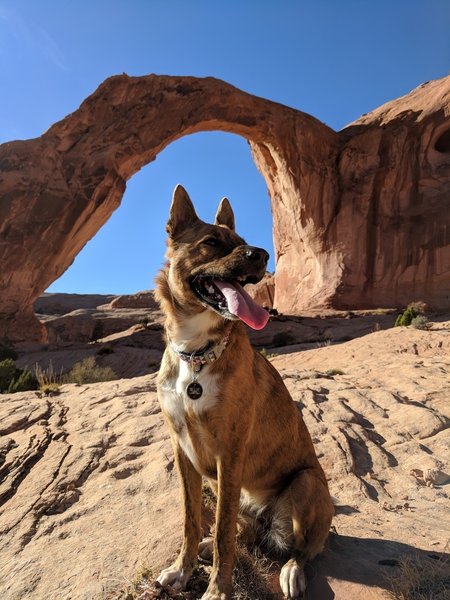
(138,300)
(263,292)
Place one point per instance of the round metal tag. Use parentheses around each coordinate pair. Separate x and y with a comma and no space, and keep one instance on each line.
(194,390)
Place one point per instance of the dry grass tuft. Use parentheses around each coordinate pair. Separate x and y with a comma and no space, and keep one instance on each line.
(252,574)
(87,371)
(49,381)
(250,580)
(208,496)
(419,577)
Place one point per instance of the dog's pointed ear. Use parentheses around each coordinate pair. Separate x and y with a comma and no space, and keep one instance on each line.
(182,212)
(225,215)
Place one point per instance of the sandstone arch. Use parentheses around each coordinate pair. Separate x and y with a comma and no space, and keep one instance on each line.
(361,217)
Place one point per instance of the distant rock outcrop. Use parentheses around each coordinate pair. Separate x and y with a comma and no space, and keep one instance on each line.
(263,292)
(138,300)
(361,217)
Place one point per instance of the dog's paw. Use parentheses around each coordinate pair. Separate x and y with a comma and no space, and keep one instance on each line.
(292,580)
(175,577)
(206,549)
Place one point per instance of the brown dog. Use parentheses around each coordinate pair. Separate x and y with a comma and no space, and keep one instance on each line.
(231,418)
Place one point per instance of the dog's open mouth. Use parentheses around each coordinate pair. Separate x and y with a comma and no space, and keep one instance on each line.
(229,299)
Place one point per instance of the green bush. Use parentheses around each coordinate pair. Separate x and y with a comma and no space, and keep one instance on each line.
(420,308)
(266,354)
(333,372)
(7,351)
(413,310)
(14,380)
(87,371)
(8,372)
(50,389)
(421,322)
(144,321)
(23,382)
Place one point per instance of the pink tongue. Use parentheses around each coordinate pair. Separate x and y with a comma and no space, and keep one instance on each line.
(242,305)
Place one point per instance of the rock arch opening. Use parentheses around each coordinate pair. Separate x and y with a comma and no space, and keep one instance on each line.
(331,193)
(126,253)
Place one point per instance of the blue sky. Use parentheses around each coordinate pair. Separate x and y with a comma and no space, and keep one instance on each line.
(334,59)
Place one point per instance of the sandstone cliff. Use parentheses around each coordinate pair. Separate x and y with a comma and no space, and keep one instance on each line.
(361,217)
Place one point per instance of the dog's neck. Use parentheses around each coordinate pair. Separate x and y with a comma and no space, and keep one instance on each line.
(191,333)
(188,328)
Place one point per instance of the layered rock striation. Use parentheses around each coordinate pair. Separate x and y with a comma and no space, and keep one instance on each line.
(361,217)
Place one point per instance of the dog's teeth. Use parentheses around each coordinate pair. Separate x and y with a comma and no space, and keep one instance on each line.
(210,289)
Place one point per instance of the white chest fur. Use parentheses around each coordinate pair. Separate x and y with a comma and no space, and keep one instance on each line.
(176,403)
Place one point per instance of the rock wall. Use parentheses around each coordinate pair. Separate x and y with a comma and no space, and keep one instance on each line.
(361,217)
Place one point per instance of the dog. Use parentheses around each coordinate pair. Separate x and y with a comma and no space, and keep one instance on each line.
(230,416)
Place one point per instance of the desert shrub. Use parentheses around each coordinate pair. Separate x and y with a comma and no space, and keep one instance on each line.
(413,310)
(332,372)
(144,321)
(7,351)
(23,381)
(47,375)
(420,308)
(421,322)
(282,338)
(14,380)
(50,389)
(87,371)
(420,578)
(266,354)
(404,320)
(323,343)
(8,372)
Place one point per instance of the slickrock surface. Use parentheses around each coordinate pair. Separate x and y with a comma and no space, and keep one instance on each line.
(360,217)
(61,304)
(89,491)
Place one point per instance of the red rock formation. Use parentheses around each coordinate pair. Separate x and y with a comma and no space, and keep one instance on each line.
(139,300)
(361,218)
(264,291)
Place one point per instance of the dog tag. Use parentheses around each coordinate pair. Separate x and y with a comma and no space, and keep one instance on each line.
(194,390)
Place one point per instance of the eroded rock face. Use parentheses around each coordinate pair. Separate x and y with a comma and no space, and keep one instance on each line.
(361,217)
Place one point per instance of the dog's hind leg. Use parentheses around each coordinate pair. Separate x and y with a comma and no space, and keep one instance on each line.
(178,574)
(308,500)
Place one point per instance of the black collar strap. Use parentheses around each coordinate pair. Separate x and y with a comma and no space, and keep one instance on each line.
(205,356)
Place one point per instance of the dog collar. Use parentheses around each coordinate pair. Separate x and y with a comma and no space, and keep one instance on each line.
(204,356)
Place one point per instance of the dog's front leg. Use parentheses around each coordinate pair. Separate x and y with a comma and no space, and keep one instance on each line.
(229,473)
(178,574)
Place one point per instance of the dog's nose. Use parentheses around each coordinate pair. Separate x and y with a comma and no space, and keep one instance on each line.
(257,254)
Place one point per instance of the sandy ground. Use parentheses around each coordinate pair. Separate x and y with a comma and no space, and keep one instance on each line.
(89,492)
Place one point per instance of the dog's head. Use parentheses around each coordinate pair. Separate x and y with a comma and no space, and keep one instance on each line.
(209,264)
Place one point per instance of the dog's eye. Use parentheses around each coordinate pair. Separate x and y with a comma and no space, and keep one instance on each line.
(211,241)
